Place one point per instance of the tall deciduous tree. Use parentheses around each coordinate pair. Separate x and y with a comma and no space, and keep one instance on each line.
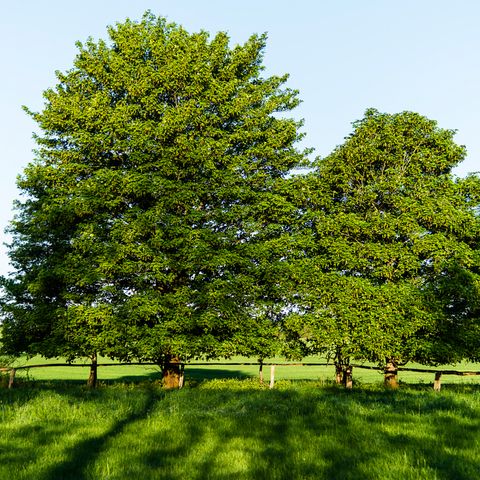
(153,209)
(385,226)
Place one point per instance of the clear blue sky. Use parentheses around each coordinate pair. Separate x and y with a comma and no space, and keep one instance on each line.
(343,55)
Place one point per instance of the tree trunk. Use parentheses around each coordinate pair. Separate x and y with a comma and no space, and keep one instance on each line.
(437,384)
(260,371)
(338,374)
(347,379)
(391,374)
(338,367)
(343,370)
(92,378)
(171,372)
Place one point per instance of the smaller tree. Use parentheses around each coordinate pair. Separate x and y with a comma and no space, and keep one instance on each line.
(385,219)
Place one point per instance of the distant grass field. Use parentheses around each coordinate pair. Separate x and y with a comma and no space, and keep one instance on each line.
(236,429)
(194,373)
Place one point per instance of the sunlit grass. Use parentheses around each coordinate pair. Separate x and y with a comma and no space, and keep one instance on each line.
(224,428)
(195,373)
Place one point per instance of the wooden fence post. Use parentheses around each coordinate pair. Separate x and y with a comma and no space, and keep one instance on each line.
(272,376)
(13,371)
(181,380)
(437,384)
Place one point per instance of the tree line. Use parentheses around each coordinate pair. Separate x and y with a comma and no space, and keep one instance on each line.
(169,214)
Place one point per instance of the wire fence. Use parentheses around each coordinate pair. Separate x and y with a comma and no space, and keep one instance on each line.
(438,373)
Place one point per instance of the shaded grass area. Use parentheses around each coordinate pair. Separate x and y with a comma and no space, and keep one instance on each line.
(236,429)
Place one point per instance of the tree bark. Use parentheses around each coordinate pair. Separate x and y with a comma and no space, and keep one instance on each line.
(343,370)
(437,384)
(347,379)
(338,367)
(338,374)
(171,372)
(260,371)
(92,378)
(391,374)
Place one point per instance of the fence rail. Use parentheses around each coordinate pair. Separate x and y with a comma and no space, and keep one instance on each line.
(436,385)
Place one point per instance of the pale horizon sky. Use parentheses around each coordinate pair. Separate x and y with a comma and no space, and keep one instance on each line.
(343,56)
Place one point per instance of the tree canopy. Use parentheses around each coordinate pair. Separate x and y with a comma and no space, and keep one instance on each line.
(151,210)
(163,218)
(385,224)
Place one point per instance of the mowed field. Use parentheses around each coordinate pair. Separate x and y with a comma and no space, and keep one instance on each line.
(232,368)
(233,428)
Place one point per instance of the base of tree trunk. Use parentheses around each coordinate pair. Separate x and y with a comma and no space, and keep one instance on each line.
(338,374)
(391,375)
(93,376)
(172,373)
(347,379)
(343,375)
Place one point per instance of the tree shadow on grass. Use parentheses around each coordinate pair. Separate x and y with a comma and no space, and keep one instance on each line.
(233,430)
(26,442)
(197,374)
(83,454)
(193,375)
(331,434)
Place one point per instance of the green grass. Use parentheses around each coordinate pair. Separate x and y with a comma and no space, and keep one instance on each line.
(127,373)
(236,429)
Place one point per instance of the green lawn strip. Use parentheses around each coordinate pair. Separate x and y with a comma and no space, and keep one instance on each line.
(80,374)
(236,429)
(374,376)
(233,368)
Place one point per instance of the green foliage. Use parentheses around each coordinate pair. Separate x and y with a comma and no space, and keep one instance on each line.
(162,218)
(386,231)
(153,208)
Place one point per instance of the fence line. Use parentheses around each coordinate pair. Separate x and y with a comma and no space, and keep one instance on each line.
(436,385)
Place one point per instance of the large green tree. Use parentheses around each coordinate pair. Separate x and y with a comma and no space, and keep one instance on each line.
(387,230)
(153,210)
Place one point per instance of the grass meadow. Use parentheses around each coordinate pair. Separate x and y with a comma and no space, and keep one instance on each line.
(194,373)
(225,425)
